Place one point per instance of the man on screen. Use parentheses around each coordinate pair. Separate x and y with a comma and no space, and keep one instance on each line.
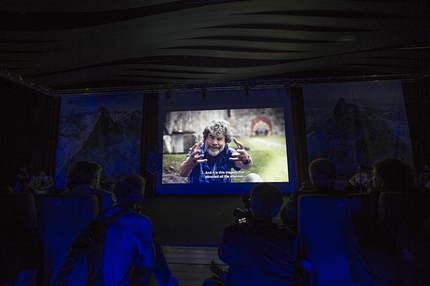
(212,160)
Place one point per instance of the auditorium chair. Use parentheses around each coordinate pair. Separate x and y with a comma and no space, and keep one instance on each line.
(403,219)
(61,218)
(20,247)
(323,221)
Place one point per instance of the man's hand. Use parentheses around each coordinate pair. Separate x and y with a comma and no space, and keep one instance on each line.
(241,157)
(195,156)
(194,159)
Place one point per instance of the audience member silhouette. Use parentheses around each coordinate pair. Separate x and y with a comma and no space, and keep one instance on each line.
(5,189)
(84,178)
(130,254)
(132,237)
(359,180)
(424,176)
(378,252)
(258,252)
(391,175)
(322,174)
(46,183)
(33,185)
(22,180)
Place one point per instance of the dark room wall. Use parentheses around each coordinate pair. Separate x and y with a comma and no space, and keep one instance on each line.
(417,102)
(28,127)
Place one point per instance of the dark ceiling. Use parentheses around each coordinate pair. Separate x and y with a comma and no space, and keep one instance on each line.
(77,44)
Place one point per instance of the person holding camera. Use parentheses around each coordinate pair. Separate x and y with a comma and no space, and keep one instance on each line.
(258,251)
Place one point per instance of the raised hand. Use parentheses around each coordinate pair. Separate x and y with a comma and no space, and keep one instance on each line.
(240,154)
(195,155)
(194,159)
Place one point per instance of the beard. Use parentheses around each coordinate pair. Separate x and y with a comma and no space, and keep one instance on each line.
(215,152)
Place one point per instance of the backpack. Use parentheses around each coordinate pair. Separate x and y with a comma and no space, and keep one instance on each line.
(90,245)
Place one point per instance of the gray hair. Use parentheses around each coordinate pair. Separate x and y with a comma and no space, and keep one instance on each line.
(322,173)
(219,127)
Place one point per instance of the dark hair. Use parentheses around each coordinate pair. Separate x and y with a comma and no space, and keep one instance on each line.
(129,191)
(392,175)
(322,173)
(83,173)
(266,200)
(218,127)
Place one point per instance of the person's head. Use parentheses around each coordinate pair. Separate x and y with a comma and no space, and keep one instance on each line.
(42,173)
(84,173)
(252,178)
(4,189)
(129,192)
(361,168)
(266,201)
(216,135)
(322,173)
(392,175)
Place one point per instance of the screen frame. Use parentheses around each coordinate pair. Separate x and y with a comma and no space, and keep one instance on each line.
(218,100)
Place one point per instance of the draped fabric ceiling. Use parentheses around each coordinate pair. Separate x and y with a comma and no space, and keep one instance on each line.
(77,44)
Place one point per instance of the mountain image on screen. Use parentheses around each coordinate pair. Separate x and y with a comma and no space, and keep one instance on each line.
(108,137)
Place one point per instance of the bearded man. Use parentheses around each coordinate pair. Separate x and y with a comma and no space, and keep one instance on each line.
(212,160)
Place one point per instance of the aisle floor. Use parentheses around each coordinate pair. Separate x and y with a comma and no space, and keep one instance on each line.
(189,264)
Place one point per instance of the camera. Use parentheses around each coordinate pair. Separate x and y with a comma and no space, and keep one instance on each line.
(218,270)
(243,216)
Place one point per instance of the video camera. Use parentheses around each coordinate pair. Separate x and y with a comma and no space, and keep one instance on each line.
(243,216)
(218,270)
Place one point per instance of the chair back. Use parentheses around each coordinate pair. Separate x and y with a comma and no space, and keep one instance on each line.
(19,243)
(403,222)
(323,224)
(17,211)
(397,210)
(61,218)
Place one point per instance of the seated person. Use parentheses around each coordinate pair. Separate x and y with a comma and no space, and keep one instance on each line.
(212,160)
(424,176)
(130,253)
(22,180)
(84,178)
(322,173)
(359,180)
(391,175)
(132,236)
(377,253)
(258,252)
(33,185)
(42,184)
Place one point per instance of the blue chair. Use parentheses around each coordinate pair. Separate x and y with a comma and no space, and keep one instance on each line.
(403,221)
(323,224)
(61,218)
(19,242)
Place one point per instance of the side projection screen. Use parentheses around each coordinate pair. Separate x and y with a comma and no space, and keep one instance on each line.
(197,157)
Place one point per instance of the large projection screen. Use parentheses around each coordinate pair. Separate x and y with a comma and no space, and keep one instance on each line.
(260,120)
